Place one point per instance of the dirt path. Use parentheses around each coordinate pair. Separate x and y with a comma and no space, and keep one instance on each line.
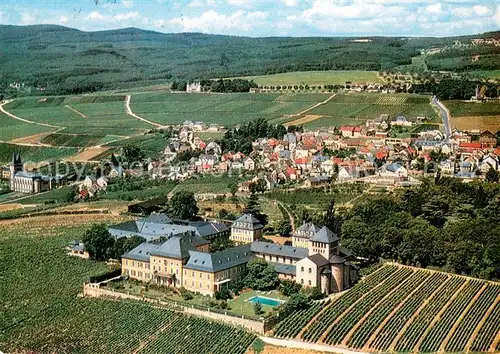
(76,111)
(415,314)
(292,219)
(87,154)
(459,320)
(316,105)
(481,323)
(132,114)
(24,120)
(307,346)
(152,337)
(438,317)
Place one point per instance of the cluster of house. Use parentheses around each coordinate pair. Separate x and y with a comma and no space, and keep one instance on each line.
(368,155)
(348,86)
(177,253)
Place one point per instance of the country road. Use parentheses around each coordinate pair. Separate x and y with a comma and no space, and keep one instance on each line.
(315,106)
(132,114)
(445,115)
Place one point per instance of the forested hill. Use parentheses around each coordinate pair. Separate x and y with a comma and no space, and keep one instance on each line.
(65,60)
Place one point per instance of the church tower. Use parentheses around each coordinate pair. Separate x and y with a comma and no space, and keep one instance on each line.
(16,166)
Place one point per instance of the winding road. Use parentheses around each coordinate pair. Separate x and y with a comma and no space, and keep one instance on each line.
(132,114)
(445,115)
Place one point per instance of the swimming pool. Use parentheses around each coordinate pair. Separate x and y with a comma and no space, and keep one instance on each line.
(265,301)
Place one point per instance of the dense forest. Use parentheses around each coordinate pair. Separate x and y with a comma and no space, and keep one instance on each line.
(58,60)
(444,224)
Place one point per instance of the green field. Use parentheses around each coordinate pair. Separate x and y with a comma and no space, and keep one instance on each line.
(80,140)
(41,312)
(14,129)
(354,108)
(491,74)
(34,153)
(472,109)
(103,115)
(225,109)
(315,78)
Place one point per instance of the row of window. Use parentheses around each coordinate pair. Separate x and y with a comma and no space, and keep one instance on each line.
(283,260)
(308,282)
(193,286)
(139,264)
(138,274)
(302,270)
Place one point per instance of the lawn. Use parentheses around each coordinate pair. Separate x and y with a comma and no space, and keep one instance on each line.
(225,109)
(241,306)
(315,78)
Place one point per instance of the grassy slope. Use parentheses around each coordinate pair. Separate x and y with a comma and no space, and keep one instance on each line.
(33,153)
(464,109)
(311,78)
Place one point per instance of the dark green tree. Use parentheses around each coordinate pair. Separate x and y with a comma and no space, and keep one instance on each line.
(98,242)
(261,275)
(289,287)
(183,205)
(492,175)
(133,154)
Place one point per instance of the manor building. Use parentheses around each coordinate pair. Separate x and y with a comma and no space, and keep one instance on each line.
(185,260)
(30,182)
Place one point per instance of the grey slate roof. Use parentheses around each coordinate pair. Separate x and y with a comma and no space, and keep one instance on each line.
(324,235)
(175,247)
(318,259)
(278,250)
(337,259)
(157,225)
(248,222)
(215,262)
(288,269)
(345,252)
(141,252)
(308,227)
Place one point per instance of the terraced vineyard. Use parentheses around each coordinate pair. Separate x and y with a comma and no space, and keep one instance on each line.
(404,309)
(43,314)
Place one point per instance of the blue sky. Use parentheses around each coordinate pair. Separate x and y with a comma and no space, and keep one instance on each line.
(257,18)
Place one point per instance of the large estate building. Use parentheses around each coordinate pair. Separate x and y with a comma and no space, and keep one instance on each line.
(30,182)
(184,259)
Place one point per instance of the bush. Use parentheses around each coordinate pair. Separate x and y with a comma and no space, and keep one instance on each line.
(313,293)
(257,308)
(223,294)
(186,294)
(289,287)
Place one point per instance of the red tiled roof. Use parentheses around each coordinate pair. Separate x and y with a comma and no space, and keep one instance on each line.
(346,128)
(471,145)
(301,161)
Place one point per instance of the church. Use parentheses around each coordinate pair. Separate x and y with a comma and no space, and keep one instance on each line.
(30,182)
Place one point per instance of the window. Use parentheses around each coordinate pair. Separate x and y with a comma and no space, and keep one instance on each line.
(201,275)
(201,285)
(301,269)
(126,262)
(192,283)
(309,282)
(193,274)
(310,270)
(301,281)
(171,271)
(133,264)
(208,286)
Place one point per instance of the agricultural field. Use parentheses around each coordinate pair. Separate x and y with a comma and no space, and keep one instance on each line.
(491,74)
(474,115)
(355,108)
(15,129)
(76,140)
(33,153)
(225,109)
(42,313)
(315,78)
(404,309)
(101,115)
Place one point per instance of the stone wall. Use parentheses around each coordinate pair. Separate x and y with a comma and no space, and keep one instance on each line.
(94,290)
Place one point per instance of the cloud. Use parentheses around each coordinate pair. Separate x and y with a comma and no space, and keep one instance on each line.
(128,3)
(28,18)
(126,16)
(241,3)
(477,10)
(63,19)
(496,18)
(480,10)
(96,16)
(290,3)
(435,9)
(215,22)
(201,3)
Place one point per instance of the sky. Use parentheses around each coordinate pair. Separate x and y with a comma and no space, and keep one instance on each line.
(264,18)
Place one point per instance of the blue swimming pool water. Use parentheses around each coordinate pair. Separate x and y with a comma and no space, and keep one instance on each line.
(265,301)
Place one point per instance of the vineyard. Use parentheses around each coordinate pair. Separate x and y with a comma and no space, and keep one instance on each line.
(358,107)
(33,153)
(41,312)
(403,309)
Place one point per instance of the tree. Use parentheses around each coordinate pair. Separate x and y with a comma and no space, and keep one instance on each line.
(223,294)
(233,188)
(133,154)
(124,245)
(257,308)
(289,287)
(98,242)
(221,244)
(313,293)
(284,228)
(261,275)
(258,187)
(183,205)
(252,207)
(492,175)
(295,303)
